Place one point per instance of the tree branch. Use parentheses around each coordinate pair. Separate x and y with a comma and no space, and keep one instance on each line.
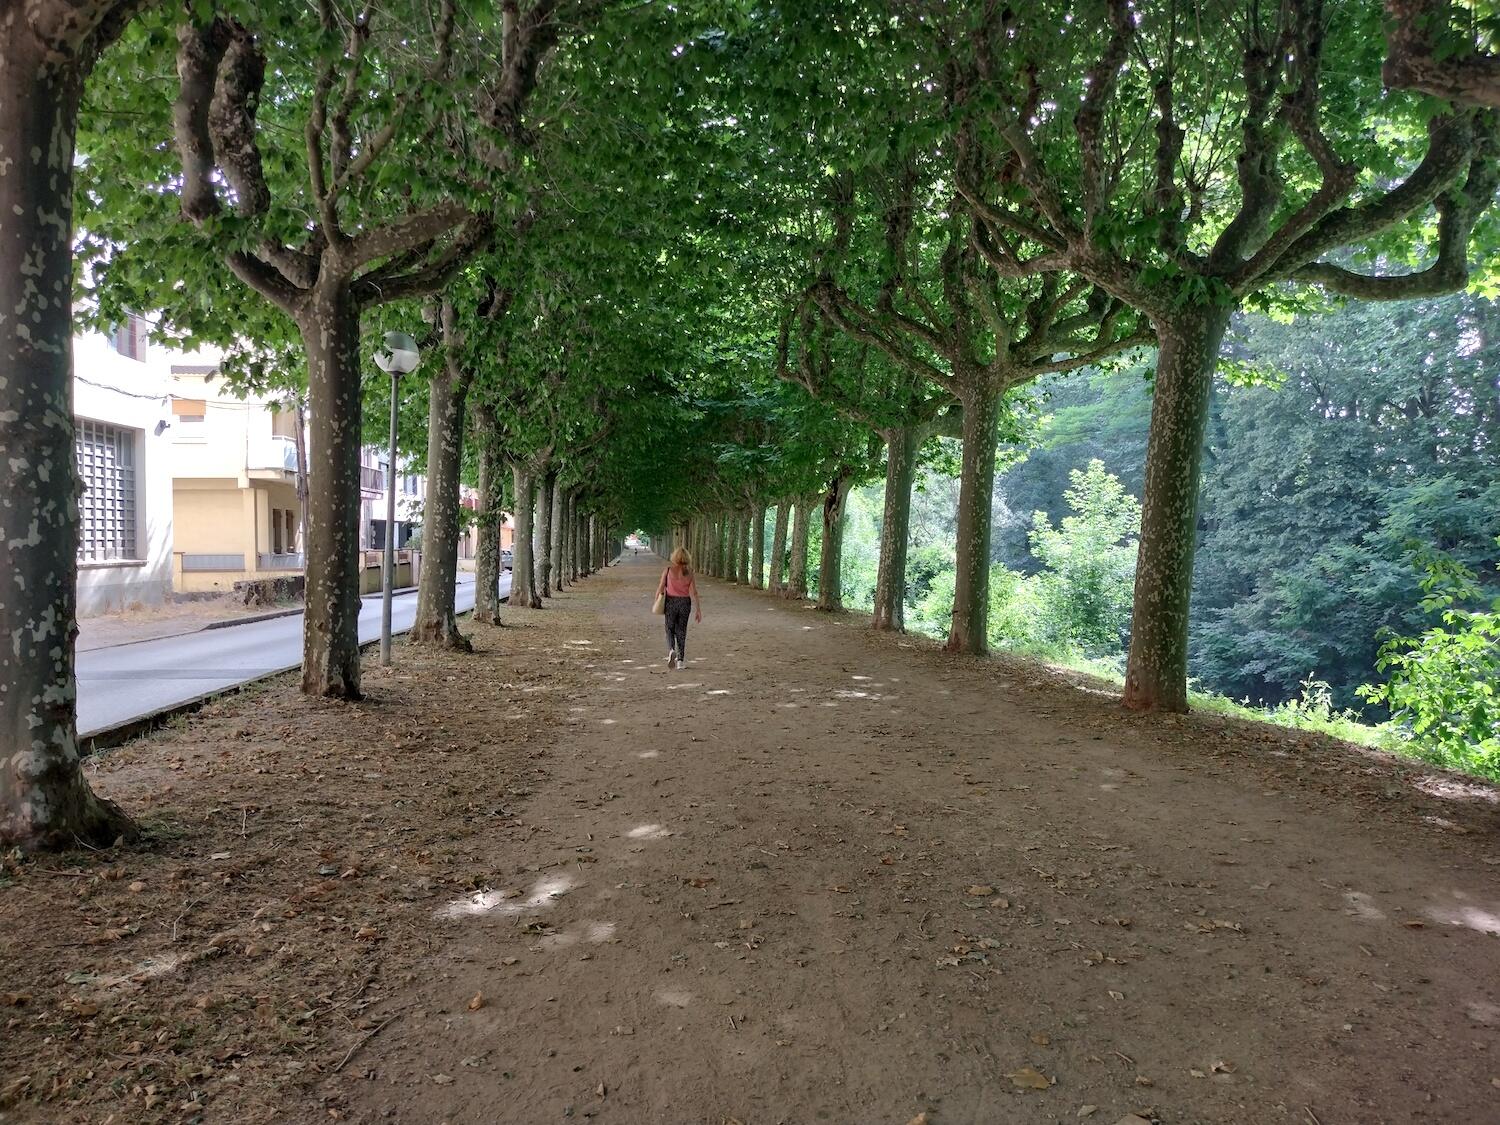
(200,47)
(378,288)
(1413,61)
(231,119)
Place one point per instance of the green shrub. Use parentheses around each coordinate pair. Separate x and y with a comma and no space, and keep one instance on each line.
(1443,687)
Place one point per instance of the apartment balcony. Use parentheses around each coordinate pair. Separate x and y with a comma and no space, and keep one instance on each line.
(371,479)
(272,454)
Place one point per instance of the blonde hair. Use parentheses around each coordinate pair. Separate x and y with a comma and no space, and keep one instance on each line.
(680,557)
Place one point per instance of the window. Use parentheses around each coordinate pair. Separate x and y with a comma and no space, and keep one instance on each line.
(129,339)
(189,409)
(291,530)
(409,485)
(284,423)
(377,535)
(106,465)
(276,544)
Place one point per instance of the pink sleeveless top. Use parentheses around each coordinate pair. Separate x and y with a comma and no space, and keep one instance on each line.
(679,587)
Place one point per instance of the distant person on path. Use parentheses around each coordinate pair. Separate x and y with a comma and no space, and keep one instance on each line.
(681,591)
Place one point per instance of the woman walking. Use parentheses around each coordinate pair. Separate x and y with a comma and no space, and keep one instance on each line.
(680,590)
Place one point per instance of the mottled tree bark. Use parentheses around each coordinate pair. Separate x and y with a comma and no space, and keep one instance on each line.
(487,568)
(971,591)
(831,562)
(1156,672)
(45,801)
(546,483)
(758,547)
(557,566)
(437,621)
(522,570)
(329,324)
(895,529)
(1415,61)
(777,581)
(739,538)
(796,586)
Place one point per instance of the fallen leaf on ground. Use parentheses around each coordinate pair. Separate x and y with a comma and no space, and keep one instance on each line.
(980,891)
(1029,1078)
(442,1079)
(476,1003)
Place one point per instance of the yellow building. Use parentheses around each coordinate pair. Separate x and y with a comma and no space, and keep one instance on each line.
(235,513)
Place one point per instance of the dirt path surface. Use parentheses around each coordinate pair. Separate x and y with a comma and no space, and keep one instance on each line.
(817,875)
(820,876)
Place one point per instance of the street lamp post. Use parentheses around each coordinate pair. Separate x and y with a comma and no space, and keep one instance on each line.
(396,357)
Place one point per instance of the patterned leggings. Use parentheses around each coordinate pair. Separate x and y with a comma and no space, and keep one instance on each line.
(678,612)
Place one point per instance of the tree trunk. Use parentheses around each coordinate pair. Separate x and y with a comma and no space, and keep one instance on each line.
(895,529)
(758,547)
(1156,672)
(330,633)
(744,548)
(796,586)
(301,446)
(830,565)
(738,527)
(436,621)
(44,800)
(522,571)
(777,582)
(487,568)
(558,568)
(546,482)
(971,592)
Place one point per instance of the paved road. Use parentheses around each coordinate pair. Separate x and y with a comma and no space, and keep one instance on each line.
(127,682)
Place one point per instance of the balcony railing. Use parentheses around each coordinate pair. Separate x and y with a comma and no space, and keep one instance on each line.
(274,453)
(264,561)
(371,479)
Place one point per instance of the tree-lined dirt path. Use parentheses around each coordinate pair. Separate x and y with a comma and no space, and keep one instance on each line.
(820,875)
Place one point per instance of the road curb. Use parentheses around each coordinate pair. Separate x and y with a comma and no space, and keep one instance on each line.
(227,623)
(110,737)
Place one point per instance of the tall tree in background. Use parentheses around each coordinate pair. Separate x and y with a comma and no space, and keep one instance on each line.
(1374,438)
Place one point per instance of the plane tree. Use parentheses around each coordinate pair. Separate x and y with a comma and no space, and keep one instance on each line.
(48,49)
(900,407)
(1191,160)
(958,308)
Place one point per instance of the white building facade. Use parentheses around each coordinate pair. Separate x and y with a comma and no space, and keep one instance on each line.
(122,434)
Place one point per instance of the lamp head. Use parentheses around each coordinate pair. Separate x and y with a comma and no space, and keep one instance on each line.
(398,354)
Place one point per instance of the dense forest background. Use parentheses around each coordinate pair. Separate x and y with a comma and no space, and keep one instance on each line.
(1349,456)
